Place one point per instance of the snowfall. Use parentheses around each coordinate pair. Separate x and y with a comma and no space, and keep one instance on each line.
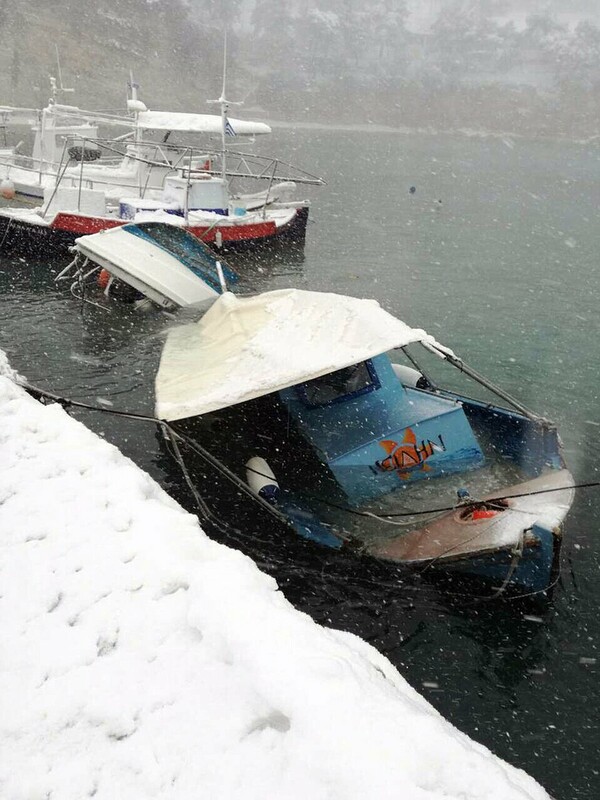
(141,660)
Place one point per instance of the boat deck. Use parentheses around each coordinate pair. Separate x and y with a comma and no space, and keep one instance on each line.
(449,536)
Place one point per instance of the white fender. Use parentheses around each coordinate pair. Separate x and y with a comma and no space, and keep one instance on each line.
(407,375)
(261,479)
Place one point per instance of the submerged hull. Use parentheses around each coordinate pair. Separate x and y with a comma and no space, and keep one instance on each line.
(345,444)
(533,571)
(516,548)
(24,233)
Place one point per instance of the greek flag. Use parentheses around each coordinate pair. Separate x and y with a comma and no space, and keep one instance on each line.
(229,128)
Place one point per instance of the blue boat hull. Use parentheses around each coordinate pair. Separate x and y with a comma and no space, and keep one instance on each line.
(533,571)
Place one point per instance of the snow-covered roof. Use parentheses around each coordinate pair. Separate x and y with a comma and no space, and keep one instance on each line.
(197,123)
(140,659)
(248,347)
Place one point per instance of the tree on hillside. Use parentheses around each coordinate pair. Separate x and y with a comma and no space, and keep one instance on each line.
(467,44)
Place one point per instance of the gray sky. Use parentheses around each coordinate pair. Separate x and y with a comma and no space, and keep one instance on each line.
(570,12)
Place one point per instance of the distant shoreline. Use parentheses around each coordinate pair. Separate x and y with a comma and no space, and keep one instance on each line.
(372,127)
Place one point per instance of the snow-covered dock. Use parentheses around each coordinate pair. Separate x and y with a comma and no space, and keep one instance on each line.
(141,660)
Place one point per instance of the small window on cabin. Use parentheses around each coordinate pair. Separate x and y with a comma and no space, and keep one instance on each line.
(341,385)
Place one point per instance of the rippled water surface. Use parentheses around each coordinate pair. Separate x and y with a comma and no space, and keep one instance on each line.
(496,254)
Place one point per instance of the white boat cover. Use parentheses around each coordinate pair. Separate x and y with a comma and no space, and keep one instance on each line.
(197,123)
(248,347)
(147,267)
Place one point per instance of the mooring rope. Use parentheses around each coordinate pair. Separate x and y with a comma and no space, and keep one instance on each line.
(173,437)
(6,231)
(66,403)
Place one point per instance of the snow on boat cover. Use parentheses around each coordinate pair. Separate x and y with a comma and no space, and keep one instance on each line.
(142,660)
(249,347)
(198,123)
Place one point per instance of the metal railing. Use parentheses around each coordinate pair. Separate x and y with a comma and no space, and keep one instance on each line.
(153,161)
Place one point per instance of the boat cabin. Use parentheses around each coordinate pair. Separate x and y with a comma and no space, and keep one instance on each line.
(375,434)
(347,421)
(372,433)
(162,262)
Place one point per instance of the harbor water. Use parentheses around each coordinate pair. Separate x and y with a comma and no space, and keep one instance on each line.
(494,252)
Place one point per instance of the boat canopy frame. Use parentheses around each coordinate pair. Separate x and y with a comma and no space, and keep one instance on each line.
(451,358)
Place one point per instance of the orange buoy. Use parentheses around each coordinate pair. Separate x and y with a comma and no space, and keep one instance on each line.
(7,189)
(483,513)
(103,278)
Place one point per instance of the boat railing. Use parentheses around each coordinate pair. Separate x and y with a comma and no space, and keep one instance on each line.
(188,162)
(17,116)
(447,355)
(31,164)
(187,157)
(263,167)
(119,152)
(64,114)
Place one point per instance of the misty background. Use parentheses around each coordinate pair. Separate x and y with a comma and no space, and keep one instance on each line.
(530,67)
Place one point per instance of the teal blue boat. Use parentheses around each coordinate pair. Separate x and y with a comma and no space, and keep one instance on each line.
(332,419)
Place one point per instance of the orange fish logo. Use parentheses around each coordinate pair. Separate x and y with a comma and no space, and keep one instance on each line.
(408,455)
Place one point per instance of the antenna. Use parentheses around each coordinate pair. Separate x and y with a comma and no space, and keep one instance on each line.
(133,104)
(226,128)
(222,98)
(133,87)
(61,88)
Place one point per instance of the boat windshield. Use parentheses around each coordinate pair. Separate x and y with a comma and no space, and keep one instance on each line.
(191,252)
(341,385)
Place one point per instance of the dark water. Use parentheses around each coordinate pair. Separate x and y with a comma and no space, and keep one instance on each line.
(496,254)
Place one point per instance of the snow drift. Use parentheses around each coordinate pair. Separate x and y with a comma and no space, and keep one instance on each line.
(140,659)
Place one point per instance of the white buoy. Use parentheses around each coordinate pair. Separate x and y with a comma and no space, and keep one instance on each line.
(407,375)
(261,479)
(7,189)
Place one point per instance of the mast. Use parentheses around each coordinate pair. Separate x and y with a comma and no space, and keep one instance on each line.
(224,107)
(61,86)
(224,104)
(134,105)
(47,119)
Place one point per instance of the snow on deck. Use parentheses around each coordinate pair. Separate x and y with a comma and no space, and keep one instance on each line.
(141,660)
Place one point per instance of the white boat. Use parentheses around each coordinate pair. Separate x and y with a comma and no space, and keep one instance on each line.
(200,203)
(161,262)
(28,176)
(134,179)
(134,165)
(66,147)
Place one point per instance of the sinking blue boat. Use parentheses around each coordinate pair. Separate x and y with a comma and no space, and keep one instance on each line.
(158,261)
(350,445)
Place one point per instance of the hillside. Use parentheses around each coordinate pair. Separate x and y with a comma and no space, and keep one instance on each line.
(330,61)
(99,43)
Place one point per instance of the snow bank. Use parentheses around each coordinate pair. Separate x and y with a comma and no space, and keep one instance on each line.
(141,660)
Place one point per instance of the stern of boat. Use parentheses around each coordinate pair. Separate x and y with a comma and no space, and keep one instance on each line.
(511,539)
